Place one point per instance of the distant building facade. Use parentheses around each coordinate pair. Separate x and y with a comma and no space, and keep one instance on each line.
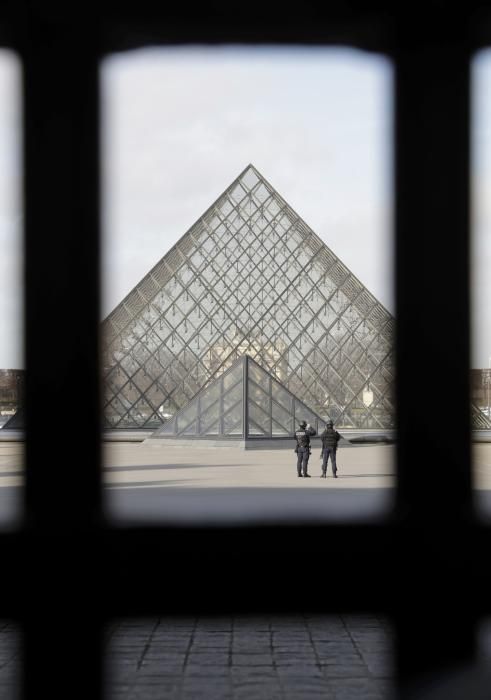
(480,389)
(11,389)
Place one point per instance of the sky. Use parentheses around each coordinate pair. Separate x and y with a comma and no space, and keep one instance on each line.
(481,210)
(179,124)
(11,327)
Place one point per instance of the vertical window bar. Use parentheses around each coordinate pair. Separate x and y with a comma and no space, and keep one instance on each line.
(62,488)
(432,221)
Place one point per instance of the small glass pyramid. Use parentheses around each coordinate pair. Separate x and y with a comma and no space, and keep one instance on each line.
(479,421)
(249,277)
(243,402)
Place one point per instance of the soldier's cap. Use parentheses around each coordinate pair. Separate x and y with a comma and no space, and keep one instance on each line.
(329,422)
(303,424)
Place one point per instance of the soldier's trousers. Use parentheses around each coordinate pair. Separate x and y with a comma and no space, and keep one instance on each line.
(302,459)
(329,451)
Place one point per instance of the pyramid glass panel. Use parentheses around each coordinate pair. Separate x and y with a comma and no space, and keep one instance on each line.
(258,396)
(282,397)
(232,397)
(232,377)
(186,416)
(232,420)
(249,277)
(209,396)
(259,418)
(282,418)
(225,417)
(213,429)
(302,413)
(278,430)
(209,417)
(255,430)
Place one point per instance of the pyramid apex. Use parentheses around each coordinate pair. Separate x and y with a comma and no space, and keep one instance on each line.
(250,176)
(248,167)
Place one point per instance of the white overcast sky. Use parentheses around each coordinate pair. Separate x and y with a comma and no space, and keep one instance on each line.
(179,125)
(11,328)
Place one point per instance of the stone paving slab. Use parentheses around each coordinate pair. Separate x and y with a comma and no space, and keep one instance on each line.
(298,657)
(9,661)
(175,659)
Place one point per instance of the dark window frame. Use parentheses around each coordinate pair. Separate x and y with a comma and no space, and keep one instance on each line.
(69,569)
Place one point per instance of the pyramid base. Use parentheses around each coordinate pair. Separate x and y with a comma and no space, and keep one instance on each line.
(241,444)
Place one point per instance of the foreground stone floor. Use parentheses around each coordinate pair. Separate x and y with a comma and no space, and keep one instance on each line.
(289,658)
(9,661)
(338,657)
(297,657)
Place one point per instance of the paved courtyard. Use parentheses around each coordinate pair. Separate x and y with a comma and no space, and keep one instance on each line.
(295,657)
(146,483)
(230,467)
(172,484)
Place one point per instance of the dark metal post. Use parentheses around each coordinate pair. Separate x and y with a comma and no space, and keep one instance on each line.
(62,493)
(432,269)
(245,382)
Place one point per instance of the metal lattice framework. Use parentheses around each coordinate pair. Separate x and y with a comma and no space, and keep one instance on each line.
(479,420)
(245,401)
(249,277)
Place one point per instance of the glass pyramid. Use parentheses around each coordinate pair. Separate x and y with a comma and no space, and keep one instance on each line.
(249,277)
(479,421)
(243,402)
